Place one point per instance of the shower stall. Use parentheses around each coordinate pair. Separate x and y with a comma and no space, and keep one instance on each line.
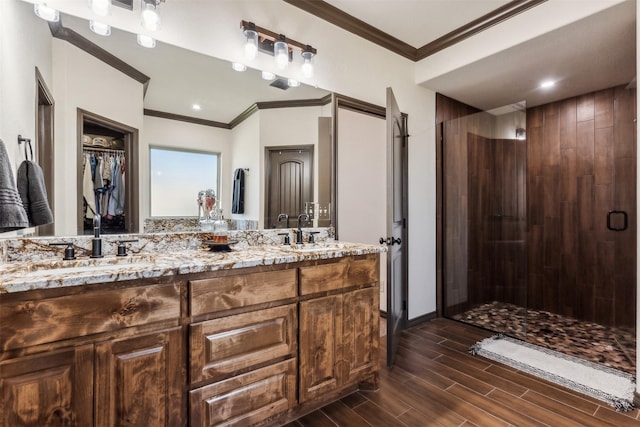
(538,222)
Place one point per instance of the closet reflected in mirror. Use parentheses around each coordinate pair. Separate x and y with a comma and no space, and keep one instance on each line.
(106,186)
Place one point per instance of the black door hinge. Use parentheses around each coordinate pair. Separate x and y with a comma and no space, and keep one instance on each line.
(404,305)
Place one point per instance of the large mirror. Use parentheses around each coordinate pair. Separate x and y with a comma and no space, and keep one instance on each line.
(148,96)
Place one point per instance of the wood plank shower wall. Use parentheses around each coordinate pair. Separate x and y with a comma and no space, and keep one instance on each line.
(581,164)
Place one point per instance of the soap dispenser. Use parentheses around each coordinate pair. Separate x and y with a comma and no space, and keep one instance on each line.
(220,228)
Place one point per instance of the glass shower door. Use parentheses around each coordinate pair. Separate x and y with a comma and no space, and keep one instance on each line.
(485,220)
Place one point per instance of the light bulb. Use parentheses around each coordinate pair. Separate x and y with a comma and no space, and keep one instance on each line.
(307,68)
(47,13)
(251,45)
(268,75)
(281,53)
(100,28)
(149,16)
(293,83)
(100,7)
(146,41)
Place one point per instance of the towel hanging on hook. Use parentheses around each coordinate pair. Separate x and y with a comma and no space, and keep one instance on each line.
(26,141)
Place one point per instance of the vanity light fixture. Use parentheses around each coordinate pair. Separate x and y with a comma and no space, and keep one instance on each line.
(146,41)
(239,67)
(521,133)
(149,15)
(100,7)
(100,28)
(293,83)
(307,66)
(47,13)
(278,45)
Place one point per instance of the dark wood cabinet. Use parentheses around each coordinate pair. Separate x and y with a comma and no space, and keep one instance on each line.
(320,346)
(246,347)
(139,380)
(54,388)
(339,333)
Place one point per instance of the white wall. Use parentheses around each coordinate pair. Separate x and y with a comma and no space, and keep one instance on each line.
(23,47)
(159,132)
(82,81)
(245,153)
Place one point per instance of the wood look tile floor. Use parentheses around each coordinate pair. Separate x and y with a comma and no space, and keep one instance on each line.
(435,382)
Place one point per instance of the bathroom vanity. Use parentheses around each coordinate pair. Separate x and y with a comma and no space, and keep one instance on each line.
(258,336)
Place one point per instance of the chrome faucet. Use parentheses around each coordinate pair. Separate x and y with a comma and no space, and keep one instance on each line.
(96,242)
(285,217)
(303,217)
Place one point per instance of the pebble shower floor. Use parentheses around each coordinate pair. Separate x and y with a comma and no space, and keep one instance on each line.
(609,346)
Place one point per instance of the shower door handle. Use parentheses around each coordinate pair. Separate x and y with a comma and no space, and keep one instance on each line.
(625,219)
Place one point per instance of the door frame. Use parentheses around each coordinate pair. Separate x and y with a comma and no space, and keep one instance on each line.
(132,183)
(356,105)
(45,145)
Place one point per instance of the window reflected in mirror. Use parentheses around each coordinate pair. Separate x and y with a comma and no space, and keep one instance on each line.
(176,178)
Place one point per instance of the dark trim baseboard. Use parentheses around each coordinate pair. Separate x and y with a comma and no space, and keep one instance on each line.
(421,319)
(332,14)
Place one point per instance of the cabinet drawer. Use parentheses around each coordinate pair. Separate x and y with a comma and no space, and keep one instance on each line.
(38,321)
(230,344)
(347,272)
(246,399)
(224,293)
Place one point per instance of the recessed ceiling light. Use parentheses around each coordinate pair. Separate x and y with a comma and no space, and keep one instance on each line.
(238,66)
(100,28)
(268,75)
(146,41)
(546,84)
(196,107)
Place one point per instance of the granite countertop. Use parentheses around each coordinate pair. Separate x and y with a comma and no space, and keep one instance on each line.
(56,273)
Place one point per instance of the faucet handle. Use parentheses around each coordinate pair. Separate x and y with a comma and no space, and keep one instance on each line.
(69,251)
(312,236)
(287,239)
(122,248)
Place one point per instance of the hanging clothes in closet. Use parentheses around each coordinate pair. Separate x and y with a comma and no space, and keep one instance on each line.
(103,188)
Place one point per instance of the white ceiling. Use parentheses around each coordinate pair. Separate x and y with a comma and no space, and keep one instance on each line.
(591,54)
(594,53)
(417,22)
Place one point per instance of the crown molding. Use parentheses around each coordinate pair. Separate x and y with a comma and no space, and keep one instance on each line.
(61,32)
(332,14)
(472,28)
(187,119)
